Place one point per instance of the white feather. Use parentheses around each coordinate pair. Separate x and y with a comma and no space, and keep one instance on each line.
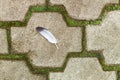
(49,36)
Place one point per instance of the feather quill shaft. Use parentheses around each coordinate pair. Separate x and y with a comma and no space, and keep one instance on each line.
(48,35)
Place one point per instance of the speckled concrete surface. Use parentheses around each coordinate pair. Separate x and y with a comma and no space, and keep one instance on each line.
(106,37)
(11,10)
(43,53)
(3,42)
(83,69)
(17,70)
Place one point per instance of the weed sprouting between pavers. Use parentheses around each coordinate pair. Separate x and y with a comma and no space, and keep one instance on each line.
(70,22)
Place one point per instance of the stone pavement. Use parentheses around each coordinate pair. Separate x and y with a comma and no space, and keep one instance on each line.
(3,42)
(89,51)
(11,10)
(41,52)
(17,70)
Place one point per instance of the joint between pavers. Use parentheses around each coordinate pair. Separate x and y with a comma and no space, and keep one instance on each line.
(118,75)
(47,2)
(84,41)
(8,31)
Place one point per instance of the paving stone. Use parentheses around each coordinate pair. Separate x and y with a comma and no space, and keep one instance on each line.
(83,9)
(17,70)
(3,42)
(16,9)
(83,69)
(41,52)
(106,37)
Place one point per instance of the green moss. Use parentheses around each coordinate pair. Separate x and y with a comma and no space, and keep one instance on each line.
(56,8)
(1,24)
(37,8)
(12,56)
(112,7)
(73,22)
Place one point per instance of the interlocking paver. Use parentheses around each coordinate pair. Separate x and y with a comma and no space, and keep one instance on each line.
(17,70)
(83,69)
(106,37)
(83,9)
(3,41)
(16,9)
(43,53)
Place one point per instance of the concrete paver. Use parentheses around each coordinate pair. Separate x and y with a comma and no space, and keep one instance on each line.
(41,52)
(16,9)
(17,70)
(83,69)
(3,42)
(106,37)
(83,9)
